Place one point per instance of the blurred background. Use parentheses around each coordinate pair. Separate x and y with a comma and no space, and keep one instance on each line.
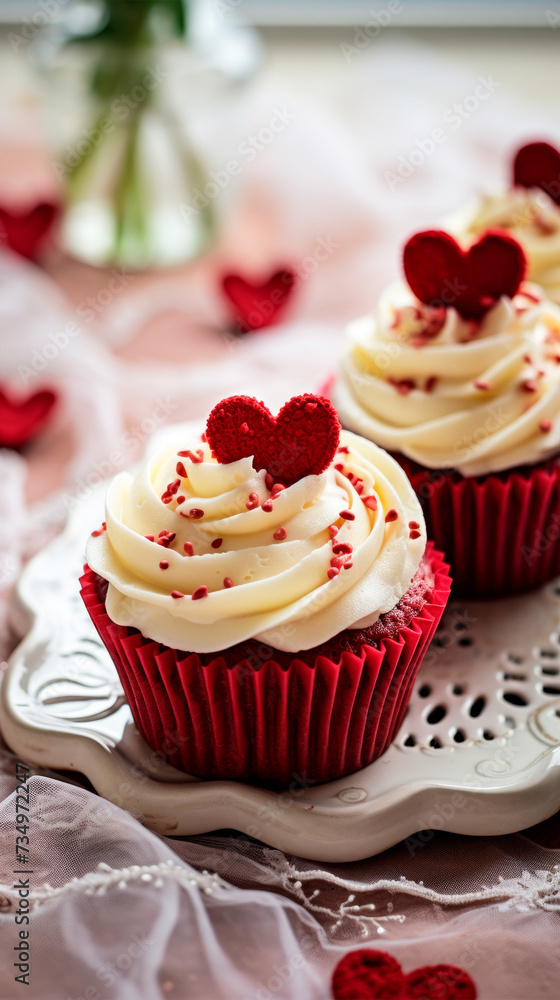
(197,195)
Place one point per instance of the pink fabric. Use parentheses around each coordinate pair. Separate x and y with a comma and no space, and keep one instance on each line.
(126,355)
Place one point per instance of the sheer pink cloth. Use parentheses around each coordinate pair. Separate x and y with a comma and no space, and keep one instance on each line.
(150,351)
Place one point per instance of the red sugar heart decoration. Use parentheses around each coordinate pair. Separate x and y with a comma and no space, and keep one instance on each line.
(262,304)
(22,419)
(440,272)
(301,441)
(538,165)
(24,232)
(366,974)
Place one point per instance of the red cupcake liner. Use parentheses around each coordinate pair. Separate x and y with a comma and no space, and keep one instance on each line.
(273,726)
(500,533)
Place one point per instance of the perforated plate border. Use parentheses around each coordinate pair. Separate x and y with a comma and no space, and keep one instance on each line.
(490,676)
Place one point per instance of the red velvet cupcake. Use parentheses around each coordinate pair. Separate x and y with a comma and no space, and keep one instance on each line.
(458,376)
(266,593)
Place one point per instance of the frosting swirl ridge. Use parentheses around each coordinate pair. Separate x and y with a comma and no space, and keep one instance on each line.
(451,393)
(200,556)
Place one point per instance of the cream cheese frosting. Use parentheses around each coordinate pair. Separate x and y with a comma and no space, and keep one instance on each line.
(529,215)
(255,572)
(450,393)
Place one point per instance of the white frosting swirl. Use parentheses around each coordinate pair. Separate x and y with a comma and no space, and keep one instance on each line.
(281,592)
(478,398)
(531,216)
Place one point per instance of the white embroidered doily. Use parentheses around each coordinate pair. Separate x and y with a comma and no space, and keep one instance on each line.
(478,752)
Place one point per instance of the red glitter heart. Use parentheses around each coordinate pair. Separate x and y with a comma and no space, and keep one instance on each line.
(366,974)
(440,272)
(538,165)
(25,232)
(301,441)
(22,419)
(262,304)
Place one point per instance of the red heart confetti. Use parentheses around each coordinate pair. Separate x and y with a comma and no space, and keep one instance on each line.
(366,974)
(538,165)
(22,419)
(25,232)
(262,304)
(301,441)
(440,272)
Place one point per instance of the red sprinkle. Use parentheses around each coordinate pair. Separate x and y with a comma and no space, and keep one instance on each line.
(176,594)
(253,501)
(180,470)
(413,524)
(391,515)
(196,459)
(199,592)
(244,428)
(347,515)
(333,530)
(228,582)
(402,385)
(276,489)
(164,564)
(280,534)
(527,359)
(196,513)
(166,498)
(414,534)
(348,565)
(165,538)
(216,543)
(269,481)
(188,547)
(342,547)
(267,506)
(149,537)
(181,500)
(545,426)
(430,383)
(370,502)
(332,572)
(339,467)
(528,385)
(203,437)
(343,450)
(481,384)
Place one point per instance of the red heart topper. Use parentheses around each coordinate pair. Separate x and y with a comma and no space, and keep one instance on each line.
(21,420)
(538,165)
(24,232)
(262,304)
(366,974)
(301,441)
(440,272)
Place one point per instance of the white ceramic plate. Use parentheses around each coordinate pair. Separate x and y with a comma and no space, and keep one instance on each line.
(478,753)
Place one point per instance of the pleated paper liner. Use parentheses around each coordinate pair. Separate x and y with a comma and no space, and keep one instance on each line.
(500,533)
(274,726)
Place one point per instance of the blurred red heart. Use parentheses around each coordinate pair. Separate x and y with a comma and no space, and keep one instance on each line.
(301,441)
(440,272)
(259,305)
(24,232)
(367,974)
(22,419)
(538,165)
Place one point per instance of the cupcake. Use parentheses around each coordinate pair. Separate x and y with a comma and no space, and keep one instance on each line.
(529,210)
(265,589)
(458,376)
